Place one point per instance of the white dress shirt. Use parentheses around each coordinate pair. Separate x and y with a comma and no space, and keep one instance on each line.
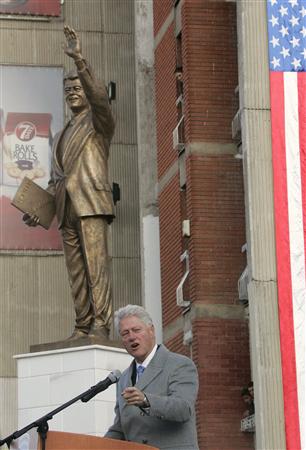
(148,359)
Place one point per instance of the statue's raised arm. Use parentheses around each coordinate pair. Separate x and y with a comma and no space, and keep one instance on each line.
(95,92)
(73,43)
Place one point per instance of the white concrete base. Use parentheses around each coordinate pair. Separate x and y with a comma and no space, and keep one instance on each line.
(46,380)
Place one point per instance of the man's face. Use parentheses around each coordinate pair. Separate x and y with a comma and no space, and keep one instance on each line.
(137,337)
(247,399)
(75,95)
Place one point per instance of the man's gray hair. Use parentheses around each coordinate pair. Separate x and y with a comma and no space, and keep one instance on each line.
(131,310)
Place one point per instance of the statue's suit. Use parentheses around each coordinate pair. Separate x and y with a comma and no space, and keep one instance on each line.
(170,383)
(84,205)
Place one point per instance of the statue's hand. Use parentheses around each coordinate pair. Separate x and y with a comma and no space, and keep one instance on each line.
(73,43)
(31,220)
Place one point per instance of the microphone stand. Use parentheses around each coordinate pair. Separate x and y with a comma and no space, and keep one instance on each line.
(42,423)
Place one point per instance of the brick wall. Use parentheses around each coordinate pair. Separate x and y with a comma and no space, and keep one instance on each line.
(165,100)
(221,353)
(210,69)
(170,249)
(175,344)
(215,204)
(162,8)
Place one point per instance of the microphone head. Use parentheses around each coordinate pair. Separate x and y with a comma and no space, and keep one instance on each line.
(114,376)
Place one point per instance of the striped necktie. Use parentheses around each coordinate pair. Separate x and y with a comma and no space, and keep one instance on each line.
(140,370)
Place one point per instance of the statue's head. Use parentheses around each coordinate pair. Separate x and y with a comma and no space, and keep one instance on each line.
(74,93)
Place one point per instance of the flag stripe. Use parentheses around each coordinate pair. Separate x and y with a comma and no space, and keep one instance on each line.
(283,262)
(296,232)
(302,139)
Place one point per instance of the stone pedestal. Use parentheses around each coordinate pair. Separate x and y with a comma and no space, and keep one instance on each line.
(48,379)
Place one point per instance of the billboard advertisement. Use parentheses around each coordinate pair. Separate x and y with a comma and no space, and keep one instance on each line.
(31,113)
(31,7)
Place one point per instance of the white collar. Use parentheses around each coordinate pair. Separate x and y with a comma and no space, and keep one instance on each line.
(148,359)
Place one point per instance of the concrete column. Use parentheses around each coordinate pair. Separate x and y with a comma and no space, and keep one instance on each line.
(147,153)
(258,182)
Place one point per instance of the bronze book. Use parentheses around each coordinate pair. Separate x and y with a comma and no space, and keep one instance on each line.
(33,199)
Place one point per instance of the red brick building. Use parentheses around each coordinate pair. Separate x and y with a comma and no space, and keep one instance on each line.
(201,207)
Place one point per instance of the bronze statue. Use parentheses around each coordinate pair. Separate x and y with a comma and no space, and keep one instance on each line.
(83,197)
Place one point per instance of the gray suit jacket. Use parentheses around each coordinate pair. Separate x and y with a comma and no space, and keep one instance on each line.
(170,383)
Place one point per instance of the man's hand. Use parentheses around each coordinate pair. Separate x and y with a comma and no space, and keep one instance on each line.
(73,43)
(133,396)
(31,220)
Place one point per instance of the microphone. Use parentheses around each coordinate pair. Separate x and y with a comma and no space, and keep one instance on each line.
(112,378)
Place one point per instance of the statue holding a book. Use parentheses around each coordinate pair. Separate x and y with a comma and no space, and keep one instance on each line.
(82,193)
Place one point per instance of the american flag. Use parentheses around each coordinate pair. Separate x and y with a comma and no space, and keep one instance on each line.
(287,62)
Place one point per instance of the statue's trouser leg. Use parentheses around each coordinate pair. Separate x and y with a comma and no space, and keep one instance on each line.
(76,268)
(93,231)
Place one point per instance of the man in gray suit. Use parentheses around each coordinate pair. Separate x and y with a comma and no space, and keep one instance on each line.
(156,394)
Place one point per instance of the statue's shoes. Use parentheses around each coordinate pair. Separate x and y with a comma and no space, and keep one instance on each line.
(77,334)
(99,332)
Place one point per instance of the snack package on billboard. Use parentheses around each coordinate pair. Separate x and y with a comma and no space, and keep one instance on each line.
(26,148)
